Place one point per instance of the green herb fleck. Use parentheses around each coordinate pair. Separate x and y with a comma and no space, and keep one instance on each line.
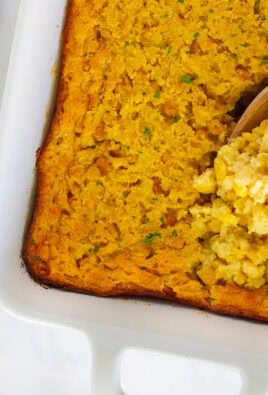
(244,45)
(169,50)
(150,237)
(126,195)
(140,152)
(187,80)
(33,241)
(236,47)
(127,42)
(147,219)
(240,26)
(262,33)
(161,46)
(128,147)
(180,1)
(157,94)
(147,131)
(211,10)
(174,233)
(37,258)
(98,182)
(154,198)
(187,52)
(265,59)
(175,119)
(257,5)
(162,219)
(263,18)
(235,57)
(143,93)
(90,250)
(85,54)
(143,268)
(196,35)
(165,15)
(119,240)
(96,249)
(212,298)
(93,146)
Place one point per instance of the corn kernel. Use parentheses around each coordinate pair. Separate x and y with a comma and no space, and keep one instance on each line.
(220,169)
(240,190)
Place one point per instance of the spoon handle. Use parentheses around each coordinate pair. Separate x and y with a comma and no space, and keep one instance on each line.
(256,112)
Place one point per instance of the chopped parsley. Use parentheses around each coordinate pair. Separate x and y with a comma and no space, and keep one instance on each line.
(165,15)
(147,219)
(93,146)
(157,94)
(236,47)
(235,57)
(85,54)
(147,131)
(162,219)
(140,152)
(150,237)
(212,298)
(211,10)
(265,59)
(37,258)
(126,195)
(98,182)
(143,93)
(263,18)
(262,33)
(187,80)
(187,52)
(119,240)
(240,26)
(127,42)
(128,147)
(174,233)
(175,119)
(96,249)
(196,35)
(143,268)
(33,241)
(154,198)
(257,5)
(244,45)
(169,50)
(161,46)
(180,1)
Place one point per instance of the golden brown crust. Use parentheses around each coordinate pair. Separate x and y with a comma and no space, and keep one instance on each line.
(227,299)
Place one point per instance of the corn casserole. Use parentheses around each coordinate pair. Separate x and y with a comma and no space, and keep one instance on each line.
(130,200)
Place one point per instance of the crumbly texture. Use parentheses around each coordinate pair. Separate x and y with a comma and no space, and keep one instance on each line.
(233,227)
(145,95)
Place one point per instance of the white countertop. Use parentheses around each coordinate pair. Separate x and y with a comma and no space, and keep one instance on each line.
(41,360)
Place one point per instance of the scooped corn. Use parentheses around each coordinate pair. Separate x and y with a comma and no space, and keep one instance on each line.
(233,228)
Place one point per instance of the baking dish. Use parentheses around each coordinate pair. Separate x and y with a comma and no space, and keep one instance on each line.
(111,323)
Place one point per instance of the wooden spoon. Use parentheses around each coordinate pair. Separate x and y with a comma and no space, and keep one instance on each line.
(256,112)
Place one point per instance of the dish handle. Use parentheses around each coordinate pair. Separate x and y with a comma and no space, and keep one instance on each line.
(105,371)
(107,350)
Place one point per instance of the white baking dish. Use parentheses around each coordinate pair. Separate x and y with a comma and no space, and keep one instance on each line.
(112,323)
